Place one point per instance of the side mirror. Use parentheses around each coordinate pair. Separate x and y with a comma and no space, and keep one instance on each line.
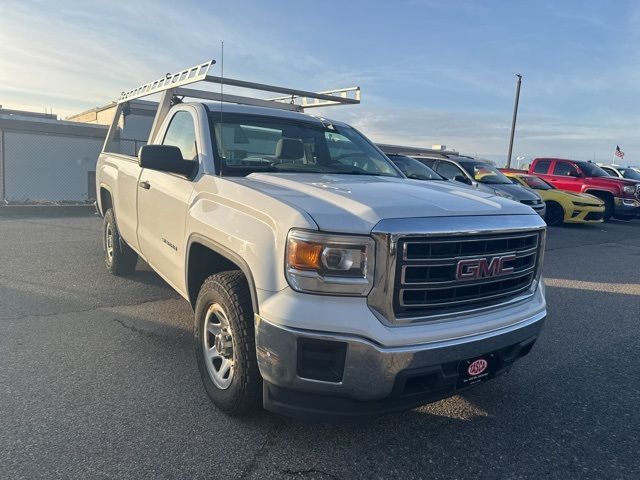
(165,158)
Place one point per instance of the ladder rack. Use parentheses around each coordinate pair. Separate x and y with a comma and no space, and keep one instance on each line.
(348,95)
(173,84)
(193,74)
(297,99)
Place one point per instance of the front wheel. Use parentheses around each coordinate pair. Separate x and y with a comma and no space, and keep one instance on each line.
(225,344)
(555,214)
(609,207)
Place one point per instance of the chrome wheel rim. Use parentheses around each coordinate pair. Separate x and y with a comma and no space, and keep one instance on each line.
(109,242)
(217,345)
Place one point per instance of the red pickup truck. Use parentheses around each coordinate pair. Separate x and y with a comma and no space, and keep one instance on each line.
(621,196)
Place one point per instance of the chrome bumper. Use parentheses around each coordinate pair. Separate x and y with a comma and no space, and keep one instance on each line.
(370,370)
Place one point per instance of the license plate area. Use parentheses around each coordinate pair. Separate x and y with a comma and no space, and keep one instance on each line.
(477,370)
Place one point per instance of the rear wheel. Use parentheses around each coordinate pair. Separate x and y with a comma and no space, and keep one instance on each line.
(225,344)
(119,258)
(555,214)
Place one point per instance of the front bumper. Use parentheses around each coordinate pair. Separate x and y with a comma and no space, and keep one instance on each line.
(584,214)
(626,207)
(374,379)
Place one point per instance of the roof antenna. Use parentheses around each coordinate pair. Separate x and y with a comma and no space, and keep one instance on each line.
(222,156)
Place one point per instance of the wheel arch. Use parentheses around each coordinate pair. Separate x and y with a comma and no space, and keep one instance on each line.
(105,200)
(596,192)
(206,257)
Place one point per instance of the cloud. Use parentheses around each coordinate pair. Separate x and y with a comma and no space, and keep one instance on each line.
(449,83)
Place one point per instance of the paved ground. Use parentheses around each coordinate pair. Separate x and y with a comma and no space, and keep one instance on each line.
(98,380)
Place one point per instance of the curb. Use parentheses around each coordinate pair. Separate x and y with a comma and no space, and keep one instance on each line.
(47,210)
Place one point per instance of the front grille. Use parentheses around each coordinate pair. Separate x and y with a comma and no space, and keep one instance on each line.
(593,216)
(531,202)
(427,280)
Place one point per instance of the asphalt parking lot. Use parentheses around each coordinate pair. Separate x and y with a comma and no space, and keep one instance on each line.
(98,379)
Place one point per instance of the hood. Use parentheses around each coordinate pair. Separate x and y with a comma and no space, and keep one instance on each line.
(355,204)
(614,180)
(516,191)
(580,197)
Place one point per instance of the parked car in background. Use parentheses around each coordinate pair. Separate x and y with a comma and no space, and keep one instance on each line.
(414,169)
(484,177)
(562,206)
(621,197)
(621,172)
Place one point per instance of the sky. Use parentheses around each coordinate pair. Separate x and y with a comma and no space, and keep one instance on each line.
(431,72)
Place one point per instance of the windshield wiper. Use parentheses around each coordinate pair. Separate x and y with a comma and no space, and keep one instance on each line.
(358,172)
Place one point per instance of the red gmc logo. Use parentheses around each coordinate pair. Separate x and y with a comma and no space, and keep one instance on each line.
(476,268)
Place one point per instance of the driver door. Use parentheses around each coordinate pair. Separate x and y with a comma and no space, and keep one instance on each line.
(163,202)
(566,176)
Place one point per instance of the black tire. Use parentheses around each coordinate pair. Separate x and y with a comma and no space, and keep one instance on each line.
(554,214)
(230,292)
(119,258)
(609,206)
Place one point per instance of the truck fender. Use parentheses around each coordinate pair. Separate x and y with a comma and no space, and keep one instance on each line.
(227,254)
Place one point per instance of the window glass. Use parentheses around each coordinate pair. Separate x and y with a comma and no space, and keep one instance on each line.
(536,183)
(542,166)
(592,170)
(630,173)
(256,143)
(429,162)
(564,169)
(448,170)
(182,134)
(413,168)
(485,173)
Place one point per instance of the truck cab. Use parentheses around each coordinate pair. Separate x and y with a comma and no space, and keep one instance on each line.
(620,196)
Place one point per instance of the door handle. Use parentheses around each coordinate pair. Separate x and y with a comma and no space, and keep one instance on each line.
(145,185)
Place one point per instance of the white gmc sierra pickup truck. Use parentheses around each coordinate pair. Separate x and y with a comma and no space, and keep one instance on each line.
(324,283)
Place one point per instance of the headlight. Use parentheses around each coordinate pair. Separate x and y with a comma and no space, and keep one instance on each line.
(505,195)
(333,264)
(629,189)
(582,204)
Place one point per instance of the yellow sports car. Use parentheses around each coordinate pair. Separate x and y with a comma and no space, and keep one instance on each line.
(562,206)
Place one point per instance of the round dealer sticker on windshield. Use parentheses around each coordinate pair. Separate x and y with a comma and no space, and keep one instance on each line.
(477,367)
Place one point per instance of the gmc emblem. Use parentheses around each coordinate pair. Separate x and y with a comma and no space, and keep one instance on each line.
(476,268)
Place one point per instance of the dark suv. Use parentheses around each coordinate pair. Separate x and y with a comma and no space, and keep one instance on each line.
(485,177)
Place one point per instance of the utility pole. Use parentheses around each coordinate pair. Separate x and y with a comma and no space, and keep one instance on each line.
(515,115)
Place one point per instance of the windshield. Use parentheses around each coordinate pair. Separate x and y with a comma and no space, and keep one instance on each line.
(485,173)
(536,183)
(629,173)
(255,143)
(414,169)
(592,170)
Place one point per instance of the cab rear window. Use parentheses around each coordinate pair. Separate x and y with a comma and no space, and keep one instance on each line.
(542,166)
